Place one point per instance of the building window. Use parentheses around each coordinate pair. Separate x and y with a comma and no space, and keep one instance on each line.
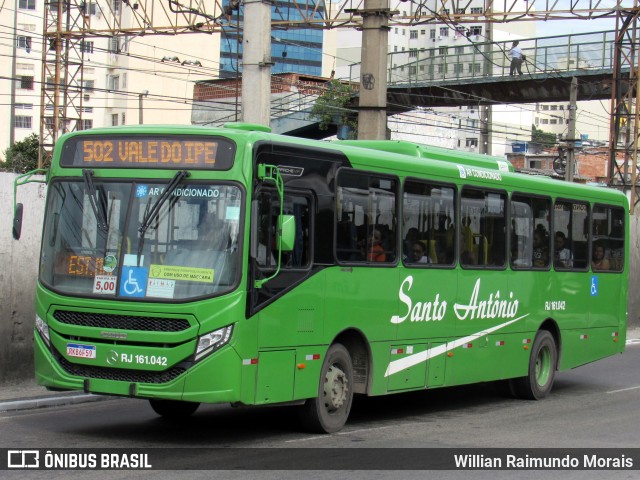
(26,82)
(476,10)
(545,121)
(124,118)
(114,82)
(460,11)
(444,31)
(24,106)
(442,50)
(432,53)
(476,30)
(114,120)
(413,52)
(89,85)
(423,32)
(545,107)
(22,121)
(413,34)
(553,107)
(27,4)
(472,142)
(116,7)
(432,33)
(458,68)
(86,124)
(23,41)
(553,121)
(474,68)
(442,68)
(413,70)
(86,46)
(87,109)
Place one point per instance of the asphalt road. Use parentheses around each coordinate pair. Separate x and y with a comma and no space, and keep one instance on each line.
(594,406)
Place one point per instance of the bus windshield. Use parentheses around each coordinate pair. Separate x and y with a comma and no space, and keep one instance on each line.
(117,239)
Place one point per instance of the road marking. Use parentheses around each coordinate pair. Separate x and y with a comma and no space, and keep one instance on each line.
(349,432)
(633,341)
(624,389)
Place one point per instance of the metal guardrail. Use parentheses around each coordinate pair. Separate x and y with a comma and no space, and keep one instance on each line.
(467,58)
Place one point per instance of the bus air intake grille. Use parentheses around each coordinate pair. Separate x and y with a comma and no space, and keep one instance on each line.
(121,322)
(120,374)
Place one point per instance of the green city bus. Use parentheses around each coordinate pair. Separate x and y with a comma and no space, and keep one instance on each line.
(189,265)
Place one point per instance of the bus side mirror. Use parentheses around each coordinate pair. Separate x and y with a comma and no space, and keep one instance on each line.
(17,221)
(288,232)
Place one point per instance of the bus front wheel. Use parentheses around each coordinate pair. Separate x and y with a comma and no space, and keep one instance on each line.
(328,412)
(542,368)
(173,408)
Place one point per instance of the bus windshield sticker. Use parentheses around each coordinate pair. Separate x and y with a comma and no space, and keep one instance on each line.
(193,274)
(109,263)
(156,151)
(158,287)
(134,281)
(105,284)
(131,260)
(142,191)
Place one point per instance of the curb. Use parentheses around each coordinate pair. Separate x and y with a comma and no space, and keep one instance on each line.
(50,401)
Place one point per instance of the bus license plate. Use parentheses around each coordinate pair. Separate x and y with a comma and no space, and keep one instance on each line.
(81,351)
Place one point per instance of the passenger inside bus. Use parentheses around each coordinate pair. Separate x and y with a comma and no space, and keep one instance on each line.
(563,257)
(598,260)
(418,253)
(540,251)
(375,250)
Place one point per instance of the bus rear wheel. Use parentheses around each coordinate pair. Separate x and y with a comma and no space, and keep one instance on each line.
(173,409)
(328,412)
(542,369)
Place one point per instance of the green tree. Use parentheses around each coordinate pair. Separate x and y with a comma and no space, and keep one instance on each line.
(545,139)
(331,108)
(22,156)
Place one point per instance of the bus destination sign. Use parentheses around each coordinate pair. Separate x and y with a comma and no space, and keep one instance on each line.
(148,152)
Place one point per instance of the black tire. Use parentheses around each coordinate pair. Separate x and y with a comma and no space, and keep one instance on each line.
(542,369)
(173,409)
(328,412)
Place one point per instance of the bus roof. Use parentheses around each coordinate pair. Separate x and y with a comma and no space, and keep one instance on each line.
(435,153)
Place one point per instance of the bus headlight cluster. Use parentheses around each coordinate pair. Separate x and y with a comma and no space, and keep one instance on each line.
(43,328)
(212,341)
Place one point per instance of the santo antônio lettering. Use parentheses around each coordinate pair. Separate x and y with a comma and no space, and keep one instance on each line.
(149,152)
(435,309)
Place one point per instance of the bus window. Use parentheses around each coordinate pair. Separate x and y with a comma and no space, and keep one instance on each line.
(482,233)
(571,235)
(608,239)
(366,230)
(428,224)
(268,211)
(530,240)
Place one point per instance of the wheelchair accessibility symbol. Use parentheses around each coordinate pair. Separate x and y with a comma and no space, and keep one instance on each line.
(134,281)
(594,286)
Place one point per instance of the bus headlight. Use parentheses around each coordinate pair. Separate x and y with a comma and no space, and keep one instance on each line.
(210,342)
(43,328)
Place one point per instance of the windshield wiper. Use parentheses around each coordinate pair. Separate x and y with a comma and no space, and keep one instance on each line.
(98,205)
(151,213)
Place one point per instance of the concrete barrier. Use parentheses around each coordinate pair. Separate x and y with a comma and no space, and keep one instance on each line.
(18,275)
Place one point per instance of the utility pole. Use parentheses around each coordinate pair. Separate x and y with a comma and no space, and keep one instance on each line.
(486,113)
(571,143)
(256,62)
(372,117)
(12,114)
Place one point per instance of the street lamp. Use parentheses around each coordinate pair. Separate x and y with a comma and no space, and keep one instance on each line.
(140,97)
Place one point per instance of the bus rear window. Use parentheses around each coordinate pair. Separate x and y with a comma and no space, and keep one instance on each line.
(157,151)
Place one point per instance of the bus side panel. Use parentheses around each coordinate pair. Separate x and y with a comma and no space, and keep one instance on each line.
(581,346)
(296,318)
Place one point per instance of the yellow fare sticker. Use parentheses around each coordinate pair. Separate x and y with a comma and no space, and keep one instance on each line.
(191,274)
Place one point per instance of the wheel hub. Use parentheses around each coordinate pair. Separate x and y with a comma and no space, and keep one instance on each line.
(336,388)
